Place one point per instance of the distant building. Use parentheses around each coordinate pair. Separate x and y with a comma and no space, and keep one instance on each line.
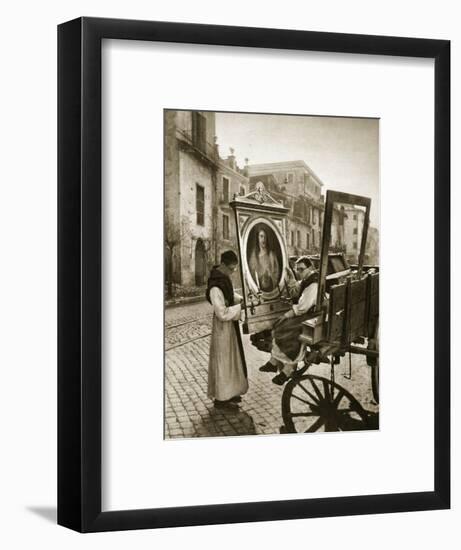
(354,217)
(337,235)
(231,182)
(295,185)
(296,176)
(353,225)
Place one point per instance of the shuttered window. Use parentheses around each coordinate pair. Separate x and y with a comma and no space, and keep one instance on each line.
(225,189)
(225,226)
(199,130)
(200,204)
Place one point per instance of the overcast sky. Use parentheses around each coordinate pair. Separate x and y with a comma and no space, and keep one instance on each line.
(343,152)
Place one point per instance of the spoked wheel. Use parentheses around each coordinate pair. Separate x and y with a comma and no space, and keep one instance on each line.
(373,344)
(375,381)
(315,404)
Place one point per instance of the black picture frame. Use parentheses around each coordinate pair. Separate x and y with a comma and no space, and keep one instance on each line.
(79,274)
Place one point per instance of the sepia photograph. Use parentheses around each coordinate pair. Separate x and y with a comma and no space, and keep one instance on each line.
(271,274)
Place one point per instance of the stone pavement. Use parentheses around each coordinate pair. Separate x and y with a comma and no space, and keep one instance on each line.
(189,412)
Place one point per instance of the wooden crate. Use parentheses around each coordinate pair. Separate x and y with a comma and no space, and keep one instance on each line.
(264,316)
(348,311)
(313,329)
(337,313)
(357,310)
(372,303)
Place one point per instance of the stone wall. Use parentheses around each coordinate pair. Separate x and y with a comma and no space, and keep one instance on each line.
(191,173)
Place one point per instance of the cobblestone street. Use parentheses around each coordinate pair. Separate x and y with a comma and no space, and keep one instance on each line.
(189,412)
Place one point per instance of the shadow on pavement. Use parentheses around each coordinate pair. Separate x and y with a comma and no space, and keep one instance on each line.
(224,423)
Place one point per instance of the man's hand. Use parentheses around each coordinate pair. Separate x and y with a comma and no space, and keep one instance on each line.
(289,275)
(237,298)
(289,314)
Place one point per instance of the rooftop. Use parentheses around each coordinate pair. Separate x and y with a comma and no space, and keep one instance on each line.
(285,165)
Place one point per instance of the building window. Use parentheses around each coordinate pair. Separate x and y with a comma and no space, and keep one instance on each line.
(298,238)
(200,204)
(355,217)
(355,231)
(314,218)
(355,245)
(199,130)
(292,238)
(225,226)
(225,189)
(307,241)
(242,191)
(290,177)
(298,209)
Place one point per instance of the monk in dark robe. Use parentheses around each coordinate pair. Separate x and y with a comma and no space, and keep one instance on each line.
(227,372)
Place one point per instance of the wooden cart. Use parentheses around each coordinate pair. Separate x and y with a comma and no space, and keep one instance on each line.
(347,323)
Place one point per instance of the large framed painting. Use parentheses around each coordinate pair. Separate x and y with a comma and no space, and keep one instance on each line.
(261,227)
(239,274)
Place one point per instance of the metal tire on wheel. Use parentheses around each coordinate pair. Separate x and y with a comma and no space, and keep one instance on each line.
(374,345)
(375,381)
(312,403)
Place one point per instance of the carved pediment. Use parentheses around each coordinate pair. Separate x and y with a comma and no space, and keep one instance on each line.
(259,196)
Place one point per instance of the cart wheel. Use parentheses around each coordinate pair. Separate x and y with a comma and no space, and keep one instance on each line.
(313,403)
(375,381)
(374,344)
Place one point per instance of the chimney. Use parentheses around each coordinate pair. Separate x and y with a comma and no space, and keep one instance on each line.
(231,158)
(245,168)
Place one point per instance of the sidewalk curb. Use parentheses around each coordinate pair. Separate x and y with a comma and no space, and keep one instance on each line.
(184,301)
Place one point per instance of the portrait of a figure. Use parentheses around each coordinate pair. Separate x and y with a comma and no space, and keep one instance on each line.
(264,257)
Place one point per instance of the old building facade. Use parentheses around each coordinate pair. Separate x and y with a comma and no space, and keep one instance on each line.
(295,185)
(191,167)
(232,181)
(354,218)
(353,226)
(199,186)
